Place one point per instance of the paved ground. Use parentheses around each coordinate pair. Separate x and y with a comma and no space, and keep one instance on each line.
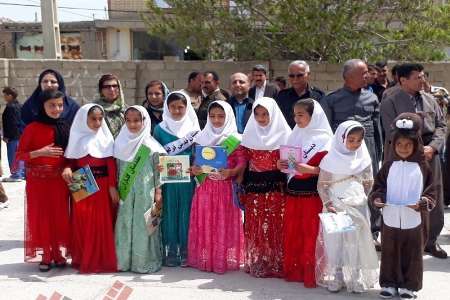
(19,280)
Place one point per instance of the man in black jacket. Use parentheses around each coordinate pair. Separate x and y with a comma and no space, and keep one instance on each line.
(262,87)
(12,128)
(240,101)
(298,72)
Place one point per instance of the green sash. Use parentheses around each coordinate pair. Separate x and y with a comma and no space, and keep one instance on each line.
(230,144)
(132,169)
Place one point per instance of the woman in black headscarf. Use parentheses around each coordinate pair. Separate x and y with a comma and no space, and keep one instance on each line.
(49,80)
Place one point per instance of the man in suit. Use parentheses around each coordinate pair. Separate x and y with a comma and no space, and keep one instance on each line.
(262,87)
(211,92)
(240,101)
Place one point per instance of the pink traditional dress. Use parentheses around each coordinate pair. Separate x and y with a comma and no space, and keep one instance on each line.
(215,242)
(264,198)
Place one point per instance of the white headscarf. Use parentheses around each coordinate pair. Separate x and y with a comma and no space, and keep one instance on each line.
(210,135)
(315,137)
(84,141)
(127,143)
(271,136)
(182,127)
(339,159)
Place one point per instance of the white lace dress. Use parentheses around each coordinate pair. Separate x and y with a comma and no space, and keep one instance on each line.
(347,257)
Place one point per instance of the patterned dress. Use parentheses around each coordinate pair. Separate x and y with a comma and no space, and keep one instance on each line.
(264,211)
(215,230)
(136,250)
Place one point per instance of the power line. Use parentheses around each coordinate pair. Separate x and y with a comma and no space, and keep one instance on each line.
(74,8)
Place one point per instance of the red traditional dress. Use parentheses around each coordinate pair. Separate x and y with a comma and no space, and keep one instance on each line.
(47,228)
(93,248)
(264,210)
(303,204)
(93,244)
(301,226)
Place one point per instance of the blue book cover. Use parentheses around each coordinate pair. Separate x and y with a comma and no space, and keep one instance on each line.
(83,184)
(210,158)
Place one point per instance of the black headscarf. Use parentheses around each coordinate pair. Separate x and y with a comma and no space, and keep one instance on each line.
(60,125)
(30,108)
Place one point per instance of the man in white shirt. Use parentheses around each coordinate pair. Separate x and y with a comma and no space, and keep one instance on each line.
(262,88)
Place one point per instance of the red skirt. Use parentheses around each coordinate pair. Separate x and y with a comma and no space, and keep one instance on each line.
(263,231)
(47,226)
(301,227)
(93,247)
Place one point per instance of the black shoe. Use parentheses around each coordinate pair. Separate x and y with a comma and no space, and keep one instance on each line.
(436,251)
(43,267)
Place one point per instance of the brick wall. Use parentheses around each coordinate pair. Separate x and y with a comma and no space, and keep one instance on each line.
(81,77)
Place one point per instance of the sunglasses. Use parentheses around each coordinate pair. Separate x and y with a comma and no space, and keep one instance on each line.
(108,86)
(298,75)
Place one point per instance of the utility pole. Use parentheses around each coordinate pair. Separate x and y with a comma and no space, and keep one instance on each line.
(50,29)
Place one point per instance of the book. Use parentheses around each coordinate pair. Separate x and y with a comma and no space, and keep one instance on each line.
(336,222)
(293,155)
(174,169)
(230,143)
(83,184)
(210,158)
(152,219)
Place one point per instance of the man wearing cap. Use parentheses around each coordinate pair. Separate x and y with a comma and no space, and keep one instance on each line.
(262,87)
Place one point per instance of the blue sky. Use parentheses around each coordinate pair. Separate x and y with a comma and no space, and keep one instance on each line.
(28,14)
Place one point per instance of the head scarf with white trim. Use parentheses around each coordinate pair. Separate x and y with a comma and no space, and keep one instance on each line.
(315,137)
(341,160)
(127,143)
(210,135)
(269,137)
(187,124)
(84,141)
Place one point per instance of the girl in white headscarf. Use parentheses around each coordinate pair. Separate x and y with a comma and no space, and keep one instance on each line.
(263,185)
(216,237)
(140,191)
(347,256)
(91,144)
(176,133)
(312,137)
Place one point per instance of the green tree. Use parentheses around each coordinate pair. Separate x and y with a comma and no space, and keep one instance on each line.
(321,30)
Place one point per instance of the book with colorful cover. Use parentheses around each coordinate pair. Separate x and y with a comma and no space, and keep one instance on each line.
(83,184)
(174,168)
(210,158)
(293,155)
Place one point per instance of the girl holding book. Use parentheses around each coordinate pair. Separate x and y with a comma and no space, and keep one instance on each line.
(91,144)
(41,147)
(263,186)
(140,191)
(215,229)
(311,137)
(405,191)
(176,133)
(346,256)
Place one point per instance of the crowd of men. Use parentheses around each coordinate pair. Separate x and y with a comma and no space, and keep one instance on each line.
(367,95)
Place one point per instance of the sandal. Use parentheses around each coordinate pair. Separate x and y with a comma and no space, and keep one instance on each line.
(44,267)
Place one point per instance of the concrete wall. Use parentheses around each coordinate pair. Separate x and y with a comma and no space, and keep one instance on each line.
(81,76)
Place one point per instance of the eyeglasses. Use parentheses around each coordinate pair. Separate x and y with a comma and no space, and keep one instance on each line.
(298,75)
(108,86)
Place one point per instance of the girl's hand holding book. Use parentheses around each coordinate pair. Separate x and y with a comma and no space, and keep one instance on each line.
(282,164)
(306,169)
(195,170)
(67,175)
(330,208)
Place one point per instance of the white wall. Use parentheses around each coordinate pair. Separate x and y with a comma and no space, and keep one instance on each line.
(118,43)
